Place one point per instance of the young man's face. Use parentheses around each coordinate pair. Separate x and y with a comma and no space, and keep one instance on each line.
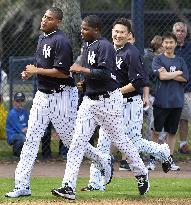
(49,22)
(88,33)
(180,33)
(120,35)
(18,103)
(169,45)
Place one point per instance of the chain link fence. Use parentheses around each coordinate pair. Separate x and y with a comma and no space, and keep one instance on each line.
(20,22)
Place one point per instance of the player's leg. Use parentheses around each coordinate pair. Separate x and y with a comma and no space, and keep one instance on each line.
(38,121)
(63,117)
(96,182)
(84,129)
(133,128)
(112,121)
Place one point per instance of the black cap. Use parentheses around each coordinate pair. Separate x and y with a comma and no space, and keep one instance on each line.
(19,96)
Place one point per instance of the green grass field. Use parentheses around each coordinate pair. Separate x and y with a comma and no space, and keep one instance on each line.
(120,189)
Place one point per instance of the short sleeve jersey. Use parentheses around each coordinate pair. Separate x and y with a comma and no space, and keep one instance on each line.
(98,55)
(169,93)
(129,67)
(54,51)
(185,52)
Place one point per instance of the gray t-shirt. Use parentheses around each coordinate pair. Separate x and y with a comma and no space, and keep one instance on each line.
(169,93)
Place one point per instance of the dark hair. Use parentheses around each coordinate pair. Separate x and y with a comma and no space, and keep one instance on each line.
(169,35)
(93,21)
(58,12)
(124,22)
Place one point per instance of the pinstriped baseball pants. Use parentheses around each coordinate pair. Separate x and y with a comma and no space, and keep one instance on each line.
(108,113)
(133,120)
(60,109)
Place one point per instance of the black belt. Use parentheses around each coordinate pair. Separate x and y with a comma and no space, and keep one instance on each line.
(129,99)
(51,91)
(98,97)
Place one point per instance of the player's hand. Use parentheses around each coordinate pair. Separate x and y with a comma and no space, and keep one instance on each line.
(179,72)
(80,85)
(25,75)
(76,68)
(31,69)
(146,102)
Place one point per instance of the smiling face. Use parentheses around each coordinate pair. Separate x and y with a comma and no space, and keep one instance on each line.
(120,35)
(88,33)
(49,22)
(169,45)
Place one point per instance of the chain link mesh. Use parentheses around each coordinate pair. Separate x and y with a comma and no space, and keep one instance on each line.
(20,21)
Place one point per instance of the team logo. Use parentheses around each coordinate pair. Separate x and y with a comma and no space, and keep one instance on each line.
(172,68)
(91,57)
(46,51)
(21,118)
(119,62)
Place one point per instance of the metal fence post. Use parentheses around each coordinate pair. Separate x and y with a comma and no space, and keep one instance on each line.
(137,16)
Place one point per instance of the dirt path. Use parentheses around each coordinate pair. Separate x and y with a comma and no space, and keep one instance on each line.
(56,169)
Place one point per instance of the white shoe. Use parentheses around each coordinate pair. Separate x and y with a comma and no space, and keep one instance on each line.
(174,167)
(18,192)
(151,165)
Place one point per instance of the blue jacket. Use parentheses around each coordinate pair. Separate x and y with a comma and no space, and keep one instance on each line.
(16,121)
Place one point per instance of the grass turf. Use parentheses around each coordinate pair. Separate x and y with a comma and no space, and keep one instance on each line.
(119,189)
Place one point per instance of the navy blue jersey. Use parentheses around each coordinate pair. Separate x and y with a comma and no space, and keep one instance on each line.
(99,54)
(130,67)
(54,51)
(185,52)
(169,93)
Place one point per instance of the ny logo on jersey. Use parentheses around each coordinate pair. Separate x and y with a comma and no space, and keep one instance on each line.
(91,57)
(21,118)
(119,62)
(172,68)
(46,51)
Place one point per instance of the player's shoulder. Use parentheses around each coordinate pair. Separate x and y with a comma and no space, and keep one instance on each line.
(61,36)
(105,44)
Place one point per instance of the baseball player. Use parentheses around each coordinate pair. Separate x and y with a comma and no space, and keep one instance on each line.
(56,101)
(131,75)
(102,105)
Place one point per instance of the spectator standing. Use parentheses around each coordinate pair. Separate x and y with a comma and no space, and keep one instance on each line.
(17,124)
(183,49)
(172,74)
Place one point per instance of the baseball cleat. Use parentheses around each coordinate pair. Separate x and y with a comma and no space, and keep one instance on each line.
(91,188)
(166,165)
(17,192)
(65,192)
(143,184)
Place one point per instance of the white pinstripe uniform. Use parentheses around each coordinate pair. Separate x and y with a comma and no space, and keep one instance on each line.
(133,115)
(56,101)
(104,111)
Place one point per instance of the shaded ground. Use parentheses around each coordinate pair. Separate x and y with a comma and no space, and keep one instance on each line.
(56,169)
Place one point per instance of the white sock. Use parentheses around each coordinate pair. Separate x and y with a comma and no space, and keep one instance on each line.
(182,143)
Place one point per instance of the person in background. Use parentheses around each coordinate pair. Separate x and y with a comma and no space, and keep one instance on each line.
(171,75)
(183,49)
(17,124)
(3,117)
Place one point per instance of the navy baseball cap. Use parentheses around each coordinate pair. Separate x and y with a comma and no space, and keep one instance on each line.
(19,96)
